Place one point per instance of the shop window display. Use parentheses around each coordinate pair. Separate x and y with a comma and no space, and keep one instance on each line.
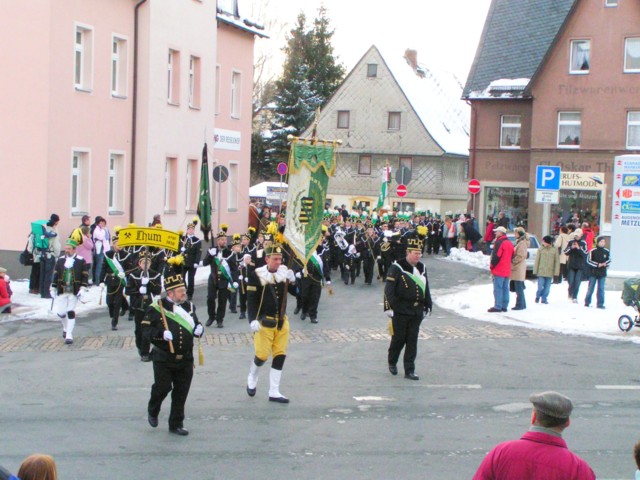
(576,207)
(513,202)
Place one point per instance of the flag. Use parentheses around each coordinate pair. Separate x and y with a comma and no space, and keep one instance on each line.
(384,189)
(204,199)
(310,166)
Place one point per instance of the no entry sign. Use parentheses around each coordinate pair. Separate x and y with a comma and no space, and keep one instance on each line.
(401,190)
(474,186)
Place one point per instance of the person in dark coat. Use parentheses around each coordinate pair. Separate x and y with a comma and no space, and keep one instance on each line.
(171,325)
(407,299)
(576,253)
(191,249)
(598,260)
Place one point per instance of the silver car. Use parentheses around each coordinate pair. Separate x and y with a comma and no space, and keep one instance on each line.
(534,244)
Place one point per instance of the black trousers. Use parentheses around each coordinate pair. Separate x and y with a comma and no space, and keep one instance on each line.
(243,297)
(34,278)
(216,297)
(189,274)
(310,292)
(367,268)
(348,274)
(47,265)
(142,341)
(117,304)
(405,335)
(233,301)
(172,377)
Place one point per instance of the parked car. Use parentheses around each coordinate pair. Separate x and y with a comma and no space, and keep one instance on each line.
(534,244)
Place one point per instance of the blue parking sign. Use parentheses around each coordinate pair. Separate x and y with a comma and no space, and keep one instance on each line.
(547,177)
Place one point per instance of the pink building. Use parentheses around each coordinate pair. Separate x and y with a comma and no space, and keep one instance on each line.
(107,106)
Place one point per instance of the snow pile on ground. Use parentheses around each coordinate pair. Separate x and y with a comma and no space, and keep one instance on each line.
(474,259)
(560,315)
(26,306)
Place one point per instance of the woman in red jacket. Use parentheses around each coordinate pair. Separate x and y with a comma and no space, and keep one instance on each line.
(5,292)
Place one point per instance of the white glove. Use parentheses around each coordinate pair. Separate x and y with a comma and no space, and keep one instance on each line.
(144,280)
(240,277)
(183,249)
(102,285)
(235,284)
(198,330)
(389,313)
(143,290)
(53,291)
(213,251)
(167,335)
(255,326)
(290,276)
(121,275)
(378,257)
(200,264)
(298,275)
(328,282)
(196,265)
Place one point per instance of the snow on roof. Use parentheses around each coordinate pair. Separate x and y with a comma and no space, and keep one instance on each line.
(503,88)
(242,21)
(436,97)
(260,189)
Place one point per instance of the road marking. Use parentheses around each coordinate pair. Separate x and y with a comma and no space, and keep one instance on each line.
(373,399)
(617,387)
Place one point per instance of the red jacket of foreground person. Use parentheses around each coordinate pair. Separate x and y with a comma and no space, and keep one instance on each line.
(501,257)
(536,456)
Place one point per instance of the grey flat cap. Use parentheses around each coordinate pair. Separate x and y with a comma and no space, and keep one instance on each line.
(553,404)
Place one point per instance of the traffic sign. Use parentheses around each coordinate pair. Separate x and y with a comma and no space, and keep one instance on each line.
(282,168)
(220,173)
(401,190)
(403,175)
(474,186)
(547,177)
(547,196)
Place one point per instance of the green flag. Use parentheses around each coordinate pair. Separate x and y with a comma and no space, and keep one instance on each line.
(310,165)
(204,199)
(384,189)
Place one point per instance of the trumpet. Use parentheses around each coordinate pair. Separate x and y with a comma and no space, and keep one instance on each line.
(340,241)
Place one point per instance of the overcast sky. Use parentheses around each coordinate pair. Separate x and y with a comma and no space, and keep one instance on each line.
(445,32)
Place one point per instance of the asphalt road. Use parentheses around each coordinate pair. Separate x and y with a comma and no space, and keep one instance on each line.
(348,417)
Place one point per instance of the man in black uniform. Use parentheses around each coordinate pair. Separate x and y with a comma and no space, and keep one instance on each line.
(369,249)
(171,324)
(266,308)
(220,279)
(407,300)
(312,278)
(117,263)
(191,249)
(142,284)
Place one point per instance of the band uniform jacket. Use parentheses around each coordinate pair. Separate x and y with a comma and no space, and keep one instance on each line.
(134,282)
(79,275)
(219,279)
(402,294)
(153,328)
(111,279)
(266,293)
(192,250)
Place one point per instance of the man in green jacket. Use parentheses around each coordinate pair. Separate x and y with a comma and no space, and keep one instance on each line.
(546,265)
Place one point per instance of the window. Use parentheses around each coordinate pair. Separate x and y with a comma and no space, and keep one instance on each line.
(343,118)
(569,129)
(236,79)
(372,70)
(170,184)
(393,122)
(193,189)
(610,3)
(194,82)
(406,162)
(227,6)
(407,207)
(79,181)
(510,131)
(580,56)
(83,62)
(364,165)
(217,91)
(118,66)
(115,187)
(173,77)
(632,55)
(232,199)
(633,130)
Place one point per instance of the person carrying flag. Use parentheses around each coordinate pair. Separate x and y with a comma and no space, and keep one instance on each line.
(221,280)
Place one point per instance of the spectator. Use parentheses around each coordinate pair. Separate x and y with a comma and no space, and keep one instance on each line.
(588,235)
(102,244)
(5,292)
(541,453)
(462,236)
(501,270)
(576,252)
(546,266)
(636,456)
(472,234)
(6,475)
(265,218)
(561,244)
(85,249)
(598,261)
(157,220)
(49,256)
(38,467)
(503,221)
(489,235)
(519,267)
(448,233)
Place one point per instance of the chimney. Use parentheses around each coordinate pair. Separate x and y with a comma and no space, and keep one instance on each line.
(411,56)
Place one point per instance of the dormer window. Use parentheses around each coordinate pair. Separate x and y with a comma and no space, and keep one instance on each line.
(228,6)
(610,3)
(580,56)
(372,70)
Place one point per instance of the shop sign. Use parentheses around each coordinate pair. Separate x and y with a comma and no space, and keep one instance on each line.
(226,139)
(581,181)
(625,214)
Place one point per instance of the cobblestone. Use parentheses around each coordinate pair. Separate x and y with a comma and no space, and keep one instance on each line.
(348,335)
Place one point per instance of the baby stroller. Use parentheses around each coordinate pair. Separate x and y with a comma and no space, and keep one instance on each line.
(630,298)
